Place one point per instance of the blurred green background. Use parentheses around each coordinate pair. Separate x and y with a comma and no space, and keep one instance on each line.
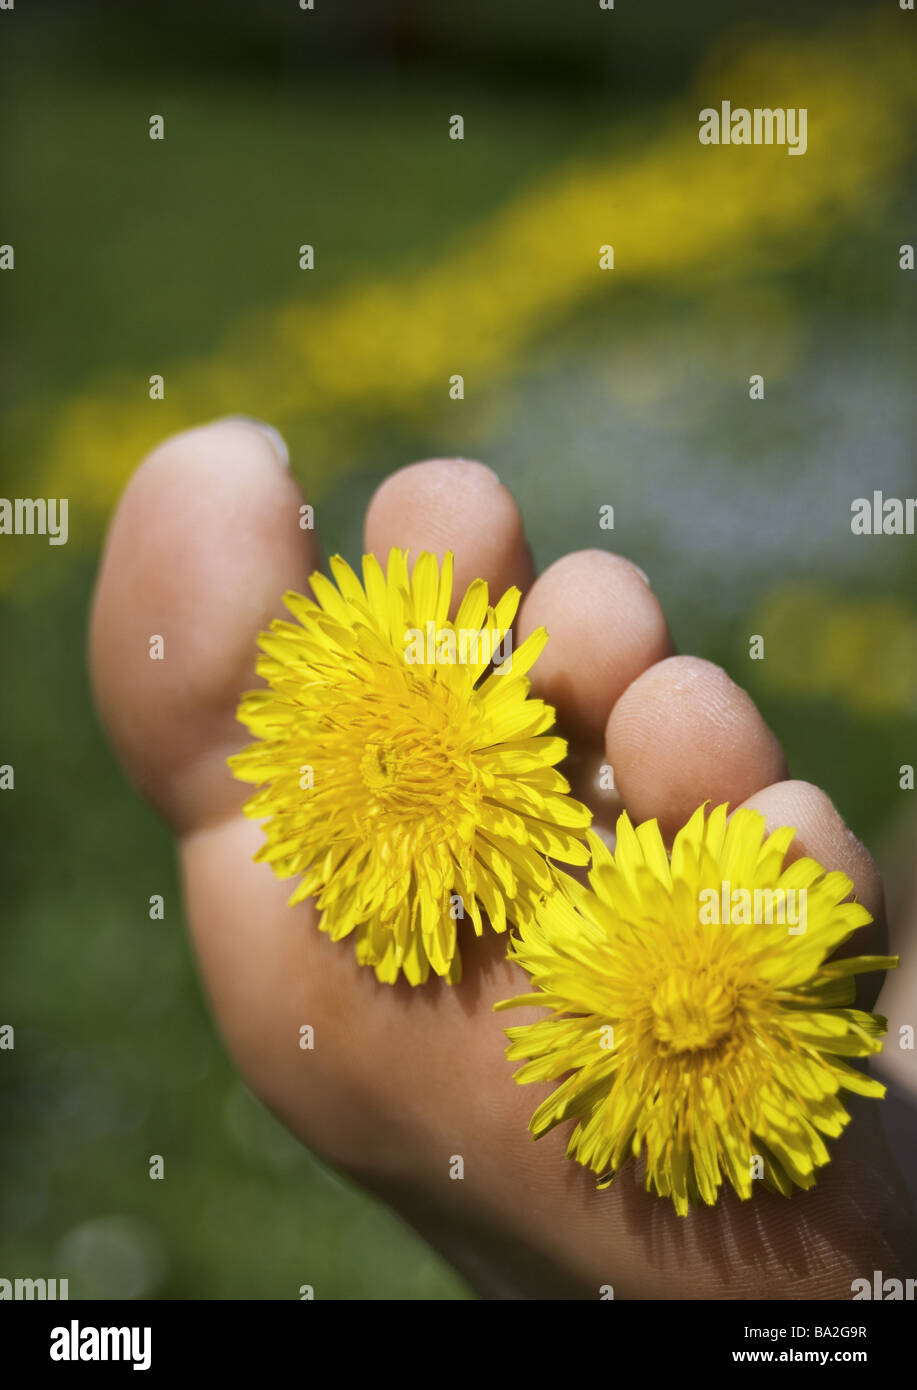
(582,388)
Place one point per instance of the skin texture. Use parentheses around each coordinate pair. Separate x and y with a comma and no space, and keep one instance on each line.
(204,543)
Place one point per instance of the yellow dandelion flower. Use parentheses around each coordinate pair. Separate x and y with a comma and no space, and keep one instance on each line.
(404,771)
(697,1018)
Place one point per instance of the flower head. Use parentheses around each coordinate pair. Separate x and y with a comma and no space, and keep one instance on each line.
(696,1016)
(403,771)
